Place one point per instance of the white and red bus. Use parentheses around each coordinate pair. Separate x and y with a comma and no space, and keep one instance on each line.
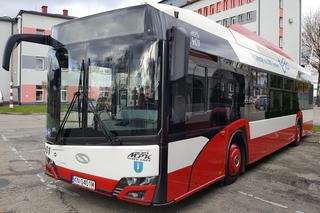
(150,104)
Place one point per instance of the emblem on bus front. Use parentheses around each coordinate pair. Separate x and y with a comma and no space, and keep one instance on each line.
(82,158)
(138,166)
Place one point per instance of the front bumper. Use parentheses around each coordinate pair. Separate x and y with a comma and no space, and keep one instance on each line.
(104,186)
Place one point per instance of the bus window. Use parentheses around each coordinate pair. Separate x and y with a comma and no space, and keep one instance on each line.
(305,95)
(276,81)
(196,112)
(256,94)
(199,89)
(288,84)
(276,104)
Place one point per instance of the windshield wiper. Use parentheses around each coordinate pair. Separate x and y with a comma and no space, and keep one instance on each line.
(85,101)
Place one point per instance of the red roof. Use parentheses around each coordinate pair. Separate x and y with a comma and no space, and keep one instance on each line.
(247,33)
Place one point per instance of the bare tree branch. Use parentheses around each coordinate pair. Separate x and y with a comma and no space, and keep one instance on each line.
(311,43)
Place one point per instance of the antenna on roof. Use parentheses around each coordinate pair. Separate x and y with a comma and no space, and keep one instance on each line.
(176,14)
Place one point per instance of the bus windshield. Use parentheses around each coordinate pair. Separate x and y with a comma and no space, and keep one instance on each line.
(123,88)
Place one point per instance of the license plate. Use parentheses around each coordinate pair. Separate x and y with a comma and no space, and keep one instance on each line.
(90,184)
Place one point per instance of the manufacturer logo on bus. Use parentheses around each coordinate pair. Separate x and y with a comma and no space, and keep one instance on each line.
(82,158)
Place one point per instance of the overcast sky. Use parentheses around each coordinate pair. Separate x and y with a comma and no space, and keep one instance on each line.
(86,7)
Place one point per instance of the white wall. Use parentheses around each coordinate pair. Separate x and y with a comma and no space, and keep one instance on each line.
(269,20)
(268,11)
(31,76)
(5,32)
(292,34)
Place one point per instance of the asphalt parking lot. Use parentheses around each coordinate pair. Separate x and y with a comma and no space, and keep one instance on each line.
(287,181)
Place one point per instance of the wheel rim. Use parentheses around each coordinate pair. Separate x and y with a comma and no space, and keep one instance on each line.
(298,134)
(234,160)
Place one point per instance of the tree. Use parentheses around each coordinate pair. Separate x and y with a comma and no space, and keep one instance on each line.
(311,44)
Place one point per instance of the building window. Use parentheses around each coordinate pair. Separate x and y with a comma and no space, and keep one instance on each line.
(219,7)
(40,63)
(200,11)
(39,93)
(226,5)
(281,22)
(205,11)
(40,31)
(280,42)
(234,3)
(211,9)
(281,4)
(241,2)
(64,94)
(103,91)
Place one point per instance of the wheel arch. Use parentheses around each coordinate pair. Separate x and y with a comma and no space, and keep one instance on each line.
(241,136)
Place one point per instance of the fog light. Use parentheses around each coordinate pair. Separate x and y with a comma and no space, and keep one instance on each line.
(137,194)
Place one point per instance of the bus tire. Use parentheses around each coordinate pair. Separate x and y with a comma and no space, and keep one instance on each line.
(298,134)
(234,162)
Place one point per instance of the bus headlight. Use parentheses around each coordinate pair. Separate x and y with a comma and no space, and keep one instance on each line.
(135,181)
(135,187)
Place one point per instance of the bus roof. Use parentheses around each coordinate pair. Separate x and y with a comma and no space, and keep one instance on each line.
(235,43)
(250,49)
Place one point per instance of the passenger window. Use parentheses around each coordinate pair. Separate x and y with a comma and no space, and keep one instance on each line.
(276,81)
(199,89)
(288,84)
(209,96)
(275,101)
(256,94)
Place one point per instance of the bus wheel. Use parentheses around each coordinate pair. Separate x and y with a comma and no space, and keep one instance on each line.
(234,163)
(298,135)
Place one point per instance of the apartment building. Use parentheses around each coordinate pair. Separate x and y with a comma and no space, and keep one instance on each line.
(29,62)
(278,21)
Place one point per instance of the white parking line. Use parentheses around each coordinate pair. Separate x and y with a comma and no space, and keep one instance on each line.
(267,201)
(48,185)
(271,202)
(4,138)
(41,178)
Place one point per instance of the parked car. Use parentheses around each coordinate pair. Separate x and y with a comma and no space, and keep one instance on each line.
(1,98)
(261,103)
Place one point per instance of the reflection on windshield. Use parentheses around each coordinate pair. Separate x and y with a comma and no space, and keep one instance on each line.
(123,86)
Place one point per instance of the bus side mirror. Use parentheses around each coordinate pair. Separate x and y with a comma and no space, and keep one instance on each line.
(63,59)
(180,53)
(15,40)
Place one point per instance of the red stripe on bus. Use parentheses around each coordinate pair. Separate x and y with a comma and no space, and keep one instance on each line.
(178,182)
(267,144)
(247,33)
